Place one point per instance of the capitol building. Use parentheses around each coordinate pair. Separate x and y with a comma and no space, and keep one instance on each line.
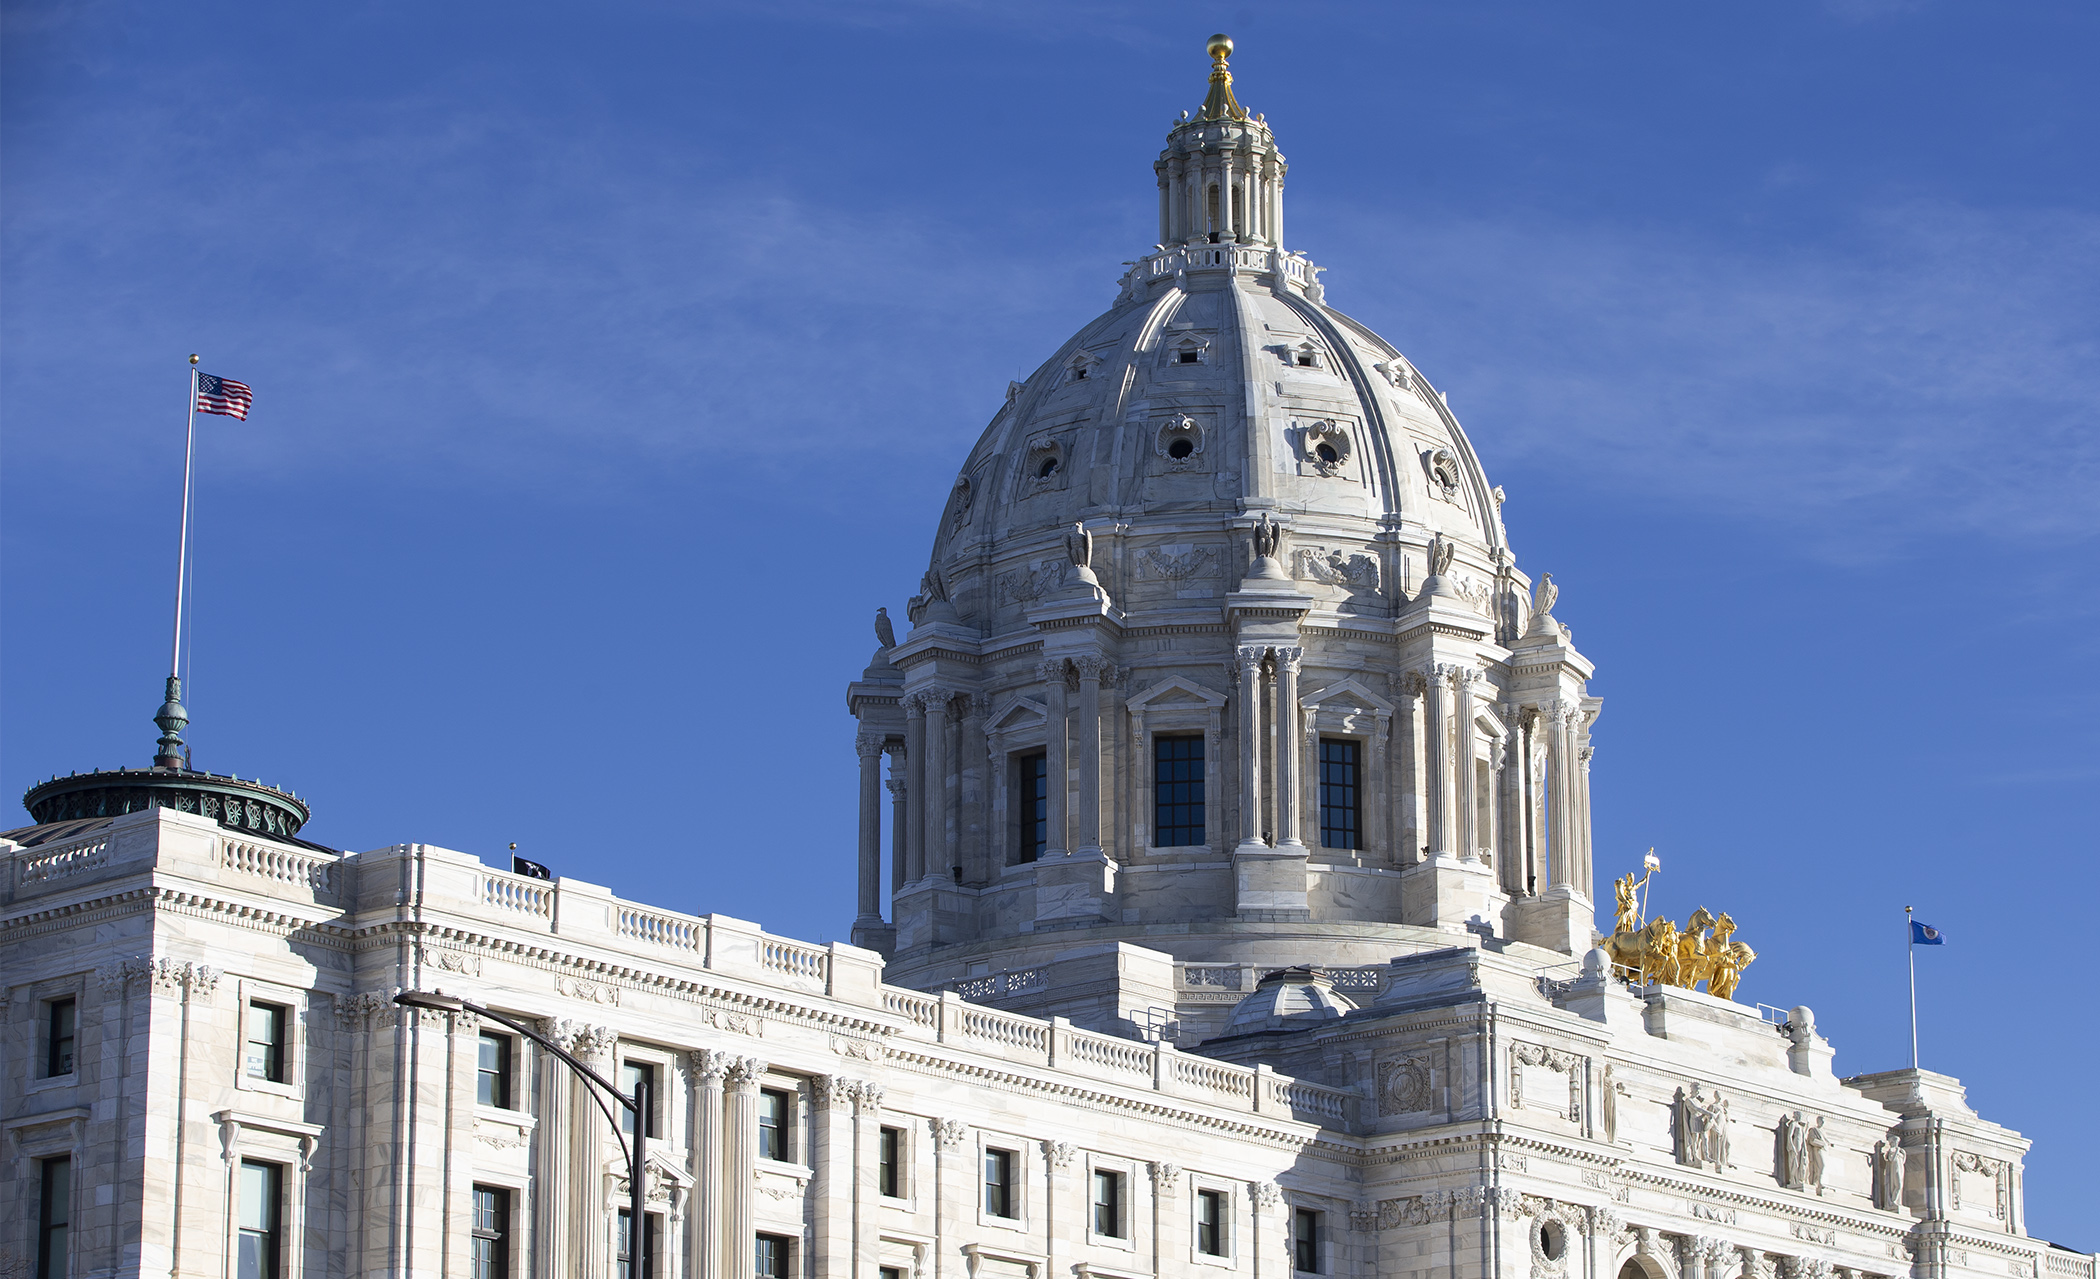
(1226,910)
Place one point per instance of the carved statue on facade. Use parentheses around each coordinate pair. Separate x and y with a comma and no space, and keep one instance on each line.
(1801,1147)
(1441,551)
(1080,545)
(1542,598)
(1702,1128)
(885,634)
(1888,1175)
(1268,537)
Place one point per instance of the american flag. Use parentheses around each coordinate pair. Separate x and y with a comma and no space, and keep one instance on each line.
(223,395)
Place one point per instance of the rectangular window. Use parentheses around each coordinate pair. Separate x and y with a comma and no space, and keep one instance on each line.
(889,1167)
(54,1217)
(489,1250)
(1177,791)
(492,1084)
(260,1253)
(1108,1203)
(1032,787)
(1341,824)
(633,1075)
(776,1117)
(61,1023)
(1210,1222)
(890,1272)
(1305,1241)
(623,1261)
(999,1184)
(266,1042)
(772,1259)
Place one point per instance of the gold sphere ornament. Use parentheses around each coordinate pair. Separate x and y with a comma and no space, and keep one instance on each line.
(1220,45)
(193,359)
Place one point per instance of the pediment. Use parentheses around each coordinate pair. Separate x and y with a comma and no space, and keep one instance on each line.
(1347,694)
(1176,692)
(1016,712)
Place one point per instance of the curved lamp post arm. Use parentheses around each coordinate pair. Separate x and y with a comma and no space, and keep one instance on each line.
(636,1223)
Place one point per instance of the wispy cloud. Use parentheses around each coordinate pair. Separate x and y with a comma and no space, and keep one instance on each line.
(1934,372)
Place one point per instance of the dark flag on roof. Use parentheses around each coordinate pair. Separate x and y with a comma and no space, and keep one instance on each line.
(529,869)
(224,396)
(1925,935)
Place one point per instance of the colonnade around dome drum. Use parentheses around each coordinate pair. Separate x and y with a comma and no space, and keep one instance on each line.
(1474,771)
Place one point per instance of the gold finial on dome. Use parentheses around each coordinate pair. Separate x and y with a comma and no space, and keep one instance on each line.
(1220,104)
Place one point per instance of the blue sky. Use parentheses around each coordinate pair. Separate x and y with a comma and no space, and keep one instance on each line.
(612,363)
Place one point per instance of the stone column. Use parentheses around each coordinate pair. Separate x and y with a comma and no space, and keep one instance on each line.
(1249,658)
(1465,767)
(1436,732)
(587,1151)
(1509,810)
(1378,777)
(1088,840)
(869,747)
(900,791)
(1560,793)
(973,792)
(1582,880)
(554,1206)
(739,1166)
(914,858)
(867,1138)
(834,1192)
(704,1238)
(1056,731)
(940,748)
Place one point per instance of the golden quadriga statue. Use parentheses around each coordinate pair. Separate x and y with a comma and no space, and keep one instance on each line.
(1659,951)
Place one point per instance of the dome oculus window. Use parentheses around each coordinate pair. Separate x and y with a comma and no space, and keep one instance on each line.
(1179,442)
(1326,447)
(1045,466)
(1443,473)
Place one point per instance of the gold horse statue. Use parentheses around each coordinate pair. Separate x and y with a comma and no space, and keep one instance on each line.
(1658,951)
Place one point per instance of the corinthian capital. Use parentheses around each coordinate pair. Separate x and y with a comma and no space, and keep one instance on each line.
(1247,657)
(1289,659)
(745,1072)
(1091,666)
(868,745)
(1052,672)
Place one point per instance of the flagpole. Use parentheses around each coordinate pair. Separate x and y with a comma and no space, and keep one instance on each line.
(170,752)
(1910,951)
(182,550)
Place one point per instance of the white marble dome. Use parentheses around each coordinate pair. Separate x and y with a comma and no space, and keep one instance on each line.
(1221,650)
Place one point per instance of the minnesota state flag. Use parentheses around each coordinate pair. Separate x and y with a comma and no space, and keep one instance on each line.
(1925,935)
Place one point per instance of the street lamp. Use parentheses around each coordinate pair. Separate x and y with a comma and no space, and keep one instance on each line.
(638,1105)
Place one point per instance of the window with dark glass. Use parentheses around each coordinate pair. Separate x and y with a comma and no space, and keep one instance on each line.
(772,1258)
(776,1117)
(1341,809)
(1108,1203)
(260,1249)
(890,1272)
(1305,1240)
(1032,786)
(266,1041)
(889,1167)
(492,1082)
(54,1217)
(488,1255)
(1210,1222)
(999,1184)
(638,1074)
(1177,791)
(623,1262)
(61,1023)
